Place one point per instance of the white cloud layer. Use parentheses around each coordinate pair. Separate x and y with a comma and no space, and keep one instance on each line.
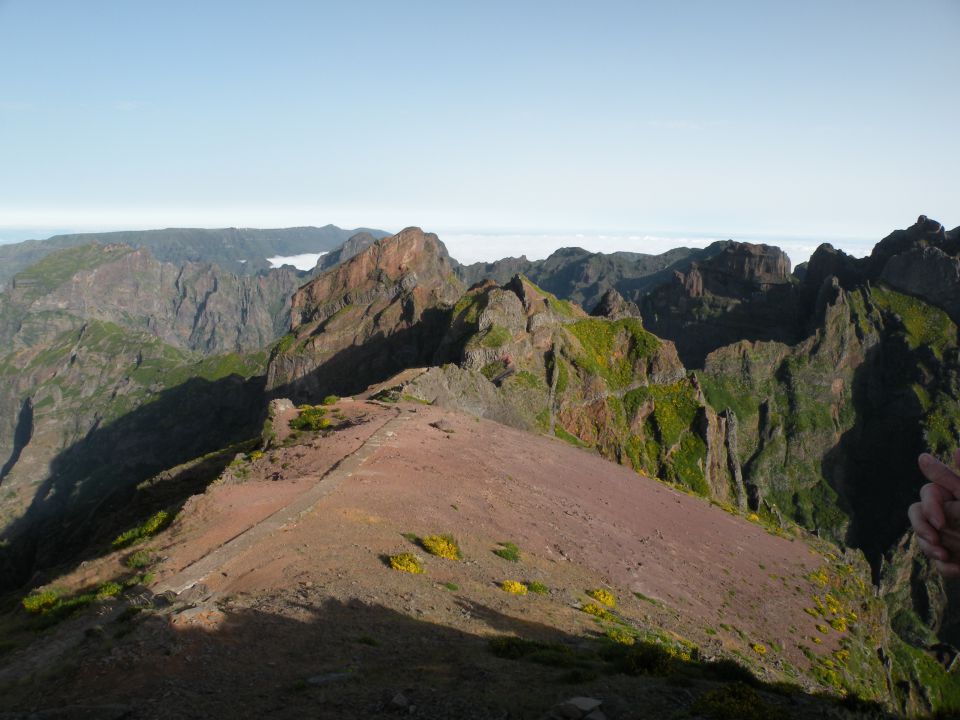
(306,261)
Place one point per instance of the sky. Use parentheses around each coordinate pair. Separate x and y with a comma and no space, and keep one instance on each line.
(496,124)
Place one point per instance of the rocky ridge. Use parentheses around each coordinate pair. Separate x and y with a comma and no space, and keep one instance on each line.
(377,313)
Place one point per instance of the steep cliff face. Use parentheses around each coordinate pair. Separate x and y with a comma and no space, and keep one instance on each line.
(354,245)
(382,310)
(922,263)
(196,307)
(614,306)
(744,291)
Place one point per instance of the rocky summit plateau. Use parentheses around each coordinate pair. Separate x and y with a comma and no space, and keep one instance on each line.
(590,486)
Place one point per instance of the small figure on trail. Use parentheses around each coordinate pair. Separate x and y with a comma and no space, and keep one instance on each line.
(936,518)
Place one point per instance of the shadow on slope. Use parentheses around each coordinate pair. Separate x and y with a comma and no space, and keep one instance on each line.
(87,497)
(302,654)
(354,368)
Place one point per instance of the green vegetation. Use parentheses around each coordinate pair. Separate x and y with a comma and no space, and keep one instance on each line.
(670,447)
(330,400)
(724,392)
(612,349)
(494,337)
(141,559)
(940,687)
(469,307)
(41,601)
(537,587)
(491,370)
(527,379)
(149,528)
(52,605)
(284,344)
(923,324)
(569,437)
(57,268)
(735,702)
(508,551)
(311,418)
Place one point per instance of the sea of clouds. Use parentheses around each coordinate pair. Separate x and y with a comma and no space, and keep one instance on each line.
(305,261)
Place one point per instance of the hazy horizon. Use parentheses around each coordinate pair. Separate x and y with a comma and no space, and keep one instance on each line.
(488,246)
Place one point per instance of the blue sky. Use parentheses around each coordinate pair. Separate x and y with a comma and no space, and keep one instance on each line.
(832,119)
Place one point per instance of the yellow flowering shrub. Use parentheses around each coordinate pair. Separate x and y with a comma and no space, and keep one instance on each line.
(442,546)
(514,587)
(406,562)
(604,596)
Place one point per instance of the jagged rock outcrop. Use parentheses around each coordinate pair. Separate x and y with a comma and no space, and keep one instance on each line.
(742,291)
(379,312)
(583,277)
(354,245)
(614,306)
(923,260)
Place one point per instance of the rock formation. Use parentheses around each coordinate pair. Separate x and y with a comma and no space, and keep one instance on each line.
(613,306)
(742,291)
(379,312)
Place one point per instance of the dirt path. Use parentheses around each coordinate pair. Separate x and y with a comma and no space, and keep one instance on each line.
(287,515)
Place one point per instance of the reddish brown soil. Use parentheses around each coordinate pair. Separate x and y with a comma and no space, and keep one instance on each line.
(315,600)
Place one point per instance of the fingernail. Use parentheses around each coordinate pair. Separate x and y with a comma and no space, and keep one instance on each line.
(937,523)
(925,459)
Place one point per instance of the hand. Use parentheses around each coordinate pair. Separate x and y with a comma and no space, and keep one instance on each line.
(936,518)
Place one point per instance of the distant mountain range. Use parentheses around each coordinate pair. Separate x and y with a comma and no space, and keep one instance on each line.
(243,251)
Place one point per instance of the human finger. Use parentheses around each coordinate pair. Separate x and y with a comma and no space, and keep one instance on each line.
(921,526)
(950,541)
(932,499)
(936,472)
(947,569)
(934,552)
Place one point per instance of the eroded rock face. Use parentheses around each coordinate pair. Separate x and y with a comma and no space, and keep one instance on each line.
(923,263)
(379,312)
(744,291)
(583,277)
(746,265)
(614,306)
(197,307)
(354,245)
